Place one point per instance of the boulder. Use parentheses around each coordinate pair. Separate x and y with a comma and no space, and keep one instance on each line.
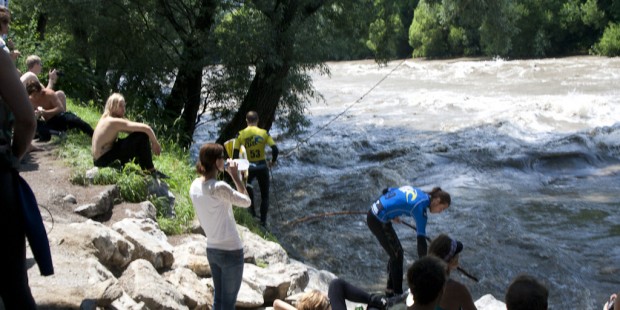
(192,254)
(143,284)
(197,294)
(150,242)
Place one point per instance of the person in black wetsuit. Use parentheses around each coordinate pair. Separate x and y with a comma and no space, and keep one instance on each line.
(17,126)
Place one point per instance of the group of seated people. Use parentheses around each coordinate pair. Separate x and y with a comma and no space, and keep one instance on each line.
(430,286)
(107,148)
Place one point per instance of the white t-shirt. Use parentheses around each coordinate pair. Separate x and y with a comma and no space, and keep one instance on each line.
(213,201)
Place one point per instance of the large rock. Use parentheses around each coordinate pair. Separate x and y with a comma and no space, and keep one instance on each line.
(104,202)
(142,282)
(112,249)
(150,242)
(192,254)
(296,273)
(250,295)
(260,251)
(77,280)
(197,294)
(488,302)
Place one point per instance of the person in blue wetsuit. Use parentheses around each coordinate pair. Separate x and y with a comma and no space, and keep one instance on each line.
(396,202)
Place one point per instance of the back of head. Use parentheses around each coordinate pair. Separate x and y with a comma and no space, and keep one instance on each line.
(526,293)
(445,248)
(251,117)
(207,158)
(443,196)
(5,15)
(313,300)
(33,86)
(426,279)
(32,60)
(113,103)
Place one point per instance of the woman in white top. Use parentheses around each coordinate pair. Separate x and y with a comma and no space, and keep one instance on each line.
(213,201)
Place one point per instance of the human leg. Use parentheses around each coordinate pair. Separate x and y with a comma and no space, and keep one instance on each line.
(262,176)
(63,98)
(135,145)
(74,122)
(229,272)
(385,234)
(250,189)
(14,288)
(340,290)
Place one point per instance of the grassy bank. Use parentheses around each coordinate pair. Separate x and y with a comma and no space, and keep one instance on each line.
(174,161)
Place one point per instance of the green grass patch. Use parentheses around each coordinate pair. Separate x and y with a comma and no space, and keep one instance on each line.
(174,161)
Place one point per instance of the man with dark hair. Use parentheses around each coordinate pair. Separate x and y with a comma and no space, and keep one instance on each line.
(254,140)
(426,278)
(47,105)
(526,293)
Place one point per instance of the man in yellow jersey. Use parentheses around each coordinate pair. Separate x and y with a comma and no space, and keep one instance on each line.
(254,140)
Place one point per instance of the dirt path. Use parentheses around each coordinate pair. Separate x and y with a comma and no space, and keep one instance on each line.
(49,178)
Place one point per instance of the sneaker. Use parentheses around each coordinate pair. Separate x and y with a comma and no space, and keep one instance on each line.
(377,301)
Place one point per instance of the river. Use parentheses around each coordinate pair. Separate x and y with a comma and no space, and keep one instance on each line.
(528,149)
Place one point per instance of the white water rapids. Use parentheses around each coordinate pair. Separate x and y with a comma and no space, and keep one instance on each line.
(528,149)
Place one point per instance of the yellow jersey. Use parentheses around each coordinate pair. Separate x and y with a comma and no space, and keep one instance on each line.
(254,140)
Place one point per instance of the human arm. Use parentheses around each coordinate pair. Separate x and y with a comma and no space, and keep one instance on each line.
(56,105)
(274,155)
(124,125)
(14,95)
(282,305)
(232,169)
(52,78)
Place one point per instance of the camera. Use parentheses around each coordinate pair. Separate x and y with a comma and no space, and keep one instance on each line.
(60,73)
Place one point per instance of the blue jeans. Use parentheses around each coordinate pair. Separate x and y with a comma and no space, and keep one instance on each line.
(227,271)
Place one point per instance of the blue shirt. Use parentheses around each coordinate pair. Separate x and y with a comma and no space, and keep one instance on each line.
(407,201)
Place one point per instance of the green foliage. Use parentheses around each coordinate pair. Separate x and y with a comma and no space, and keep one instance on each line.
(106,176)
(386,30)
(609,45)
(244,218)
(427,35)
(132,183)
(592,15)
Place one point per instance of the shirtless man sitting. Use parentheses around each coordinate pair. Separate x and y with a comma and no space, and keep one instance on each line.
(47,105)
(141,143)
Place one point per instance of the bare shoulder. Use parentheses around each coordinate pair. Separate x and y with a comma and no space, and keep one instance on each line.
(28,76)
(457,288)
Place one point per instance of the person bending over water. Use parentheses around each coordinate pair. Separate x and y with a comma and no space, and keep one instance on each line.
(407,201)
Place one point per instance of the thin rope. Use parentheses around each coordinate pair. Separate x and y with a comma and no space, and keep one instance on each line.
(323,215)
(303,141)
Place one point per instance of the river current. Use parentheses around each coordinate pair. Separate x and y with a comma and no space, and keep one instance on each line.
(529,151)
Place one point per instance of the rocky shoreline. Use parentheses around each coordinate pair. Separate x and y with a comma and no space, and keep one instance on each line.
(124,261)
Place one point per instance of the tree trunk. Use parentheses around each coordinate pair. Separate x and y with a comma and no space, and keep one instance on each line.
(263,97)
(41,25)
(184,99)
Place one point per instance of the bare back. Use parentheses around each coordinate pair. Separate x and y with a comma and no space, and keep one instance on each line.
(107,131)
